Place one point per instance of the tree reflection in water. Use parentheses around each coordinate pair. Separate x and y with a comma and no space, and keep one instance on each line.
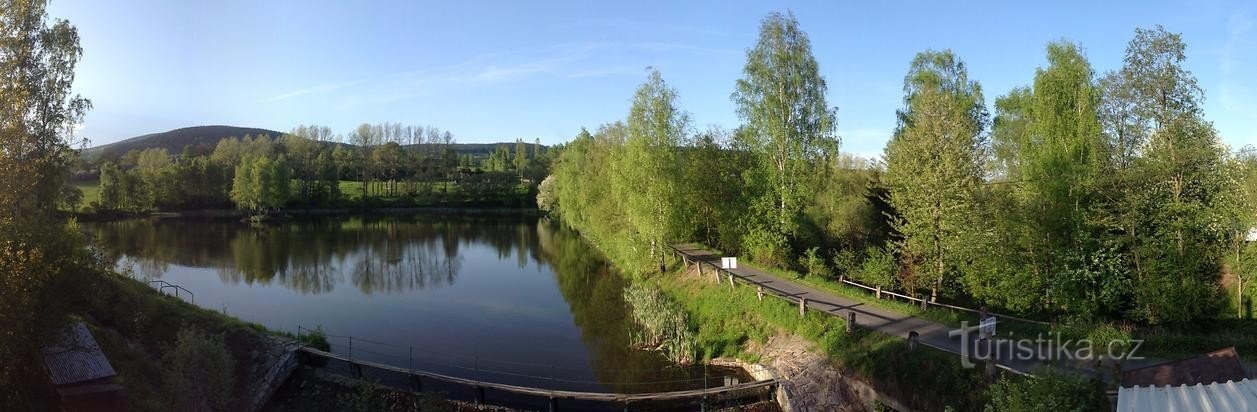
(393,255)
(376,255)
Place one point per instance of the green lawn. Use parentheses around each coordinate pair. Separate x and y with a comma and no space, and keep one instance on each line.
(91,191)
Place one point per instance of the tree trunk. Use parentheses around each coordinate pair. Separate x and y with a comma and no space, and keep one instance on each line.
(1239,297)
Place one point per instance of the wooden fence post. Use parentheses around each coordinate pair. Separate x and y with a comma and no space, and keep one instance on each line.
(802,307)
(759,292)
(925,303)
(731,285)
(851,322)
(879,292)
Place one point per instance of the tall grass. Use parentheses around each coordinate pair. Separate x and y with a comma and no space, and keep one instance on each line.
(665,324)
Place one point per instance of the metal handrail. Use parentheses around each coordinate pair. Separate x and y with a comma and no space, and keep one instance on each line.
(163,285)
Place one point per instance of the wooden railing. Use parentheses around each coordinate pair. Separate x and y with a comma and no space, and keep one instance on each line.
(878,292)
(418,376)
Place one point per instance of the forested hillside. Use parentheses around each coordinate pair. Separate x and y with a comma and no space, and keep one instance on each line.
(385,164)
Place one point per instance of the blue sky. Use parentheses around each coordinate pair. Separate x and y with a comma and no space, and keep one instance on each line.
(500,70)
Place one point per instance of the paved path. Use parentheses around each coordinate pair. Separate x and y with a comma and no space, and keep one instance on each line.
(881,319)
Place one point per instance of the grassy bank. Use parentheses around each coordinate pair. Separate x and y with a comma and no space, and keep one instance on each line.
(1160,343)
(729,322)
(137,328)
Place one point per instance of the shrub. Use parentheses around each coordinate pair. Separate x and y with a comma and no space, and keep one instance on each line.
(1049,391)
(813,264)
(878,268)
(765,247)
(200,372)
(847,262)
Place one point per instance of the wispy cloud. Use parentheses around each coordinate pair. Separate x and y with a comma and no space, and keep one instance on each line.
(579,60)
(638,26)
(319,89)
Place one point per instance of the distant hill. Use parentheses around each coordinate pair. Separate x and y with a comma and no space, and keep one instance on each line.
(208,136)
(175,140)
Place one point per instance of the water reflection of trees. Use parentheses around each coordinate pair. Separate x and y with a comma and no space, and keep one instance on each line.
(387,254)
(595,295)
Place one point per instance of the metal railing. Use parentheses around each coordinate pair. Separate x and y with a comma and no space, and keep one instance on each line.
(179,290)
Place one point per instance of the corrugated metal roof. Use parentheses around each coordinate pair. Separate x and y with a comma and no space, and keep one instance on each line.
(1228,396)
(76,358)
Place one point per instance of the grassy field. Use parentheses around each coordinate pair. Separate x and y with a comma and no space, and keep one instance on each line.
(91,191)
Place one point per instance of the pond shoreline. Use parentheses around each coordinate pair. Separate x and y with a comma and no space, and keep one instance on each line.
(409,262)
(313,212)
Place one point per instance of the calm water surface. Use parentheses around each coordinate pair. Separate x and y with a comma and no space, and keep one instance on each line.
(477,297)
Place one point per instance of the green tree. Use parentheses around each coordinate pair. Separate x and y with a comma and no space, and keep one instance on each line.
(157,173)
(1061,165)
(199,372)
(260,184)
(932,165)
(788,124)
(366,138)
(647,172)
(1243,259)
(1177,191)
(712,190)
(521,157)
(38,250)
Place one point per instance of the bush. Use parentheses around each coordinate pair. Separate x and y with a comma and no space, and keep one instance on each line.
(847,262)
(1048,392)
(766,247)
(813,264)
(878,268)
(200,372)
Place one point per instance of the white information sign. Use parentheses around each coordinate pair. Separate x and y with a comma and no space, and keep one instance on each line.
(728,263)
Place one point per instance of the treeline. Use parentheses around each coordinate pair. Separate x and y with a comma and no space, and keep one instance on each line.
(1086,196)
(391,164)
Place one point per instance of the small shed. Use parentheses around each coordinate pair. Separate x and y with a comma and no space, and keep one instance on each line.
(79,371)
(1215,381)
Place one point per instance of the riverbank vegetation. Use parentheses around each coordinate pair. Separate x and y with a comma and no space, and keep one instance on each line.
(1103,201)
(1108,195)
(665,326)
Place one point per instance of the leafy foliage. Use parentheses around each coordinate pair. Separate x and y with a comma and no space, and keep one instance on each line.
(199,372)
(1049,391)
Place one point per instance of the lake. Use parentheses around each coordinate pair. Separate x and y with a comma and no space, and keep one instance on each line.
(516,300)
